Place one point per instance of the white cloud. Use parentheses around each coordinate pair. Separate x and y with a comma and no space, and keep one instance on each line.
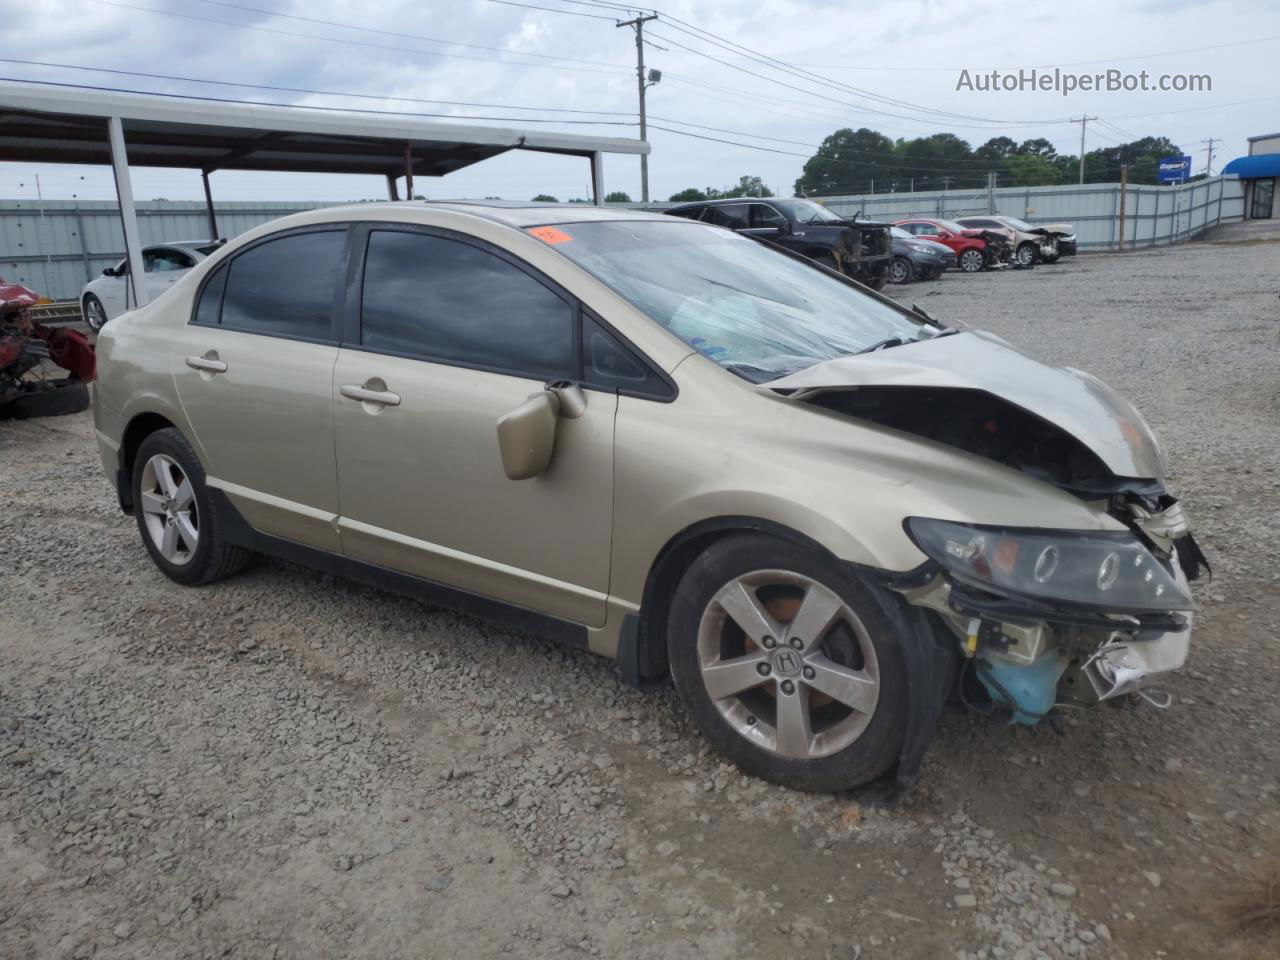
(863,46)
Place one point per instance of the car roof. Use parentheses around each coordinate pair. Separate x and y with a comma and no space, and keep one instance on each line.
(721,201)
(529,214)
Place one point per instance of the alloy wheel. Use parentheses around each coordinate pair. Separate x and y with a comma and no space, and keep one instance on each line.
(788,664)
(971,261)
(1026,255)
(900,272)
(94,315)
(168,504)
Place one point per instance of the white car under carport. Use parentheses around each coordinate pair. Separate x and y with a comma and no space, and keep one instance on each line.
(108,296)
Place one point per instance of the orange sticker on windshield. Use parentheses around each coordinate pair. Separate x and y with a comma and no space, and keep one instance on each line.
(551,235)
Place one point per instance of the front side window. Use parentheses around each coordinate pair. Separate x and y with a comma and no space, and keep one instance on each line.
(164,261)
(441,299)
(286,287)
(763,215)
(755,311)
(807,211)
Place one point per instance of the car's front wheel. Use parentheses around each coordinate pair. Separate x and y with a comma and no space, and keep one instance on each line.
(902,271)
(95,315)
(176,515)
(788,664)
(1026,255)
(972,260)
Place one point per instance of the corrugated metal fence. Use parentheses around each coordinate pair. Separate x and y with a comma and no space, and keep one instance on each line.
(54,246)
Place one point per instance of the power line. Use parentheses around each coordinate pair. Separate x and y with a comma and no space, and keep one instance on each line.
(533,6)
(791,153)
(357,43)
(297,106)
(724,43)
(306,90)
(943,163)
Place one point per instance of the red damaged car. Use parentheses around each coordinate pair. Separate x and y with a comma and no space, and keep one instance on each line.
(974,249)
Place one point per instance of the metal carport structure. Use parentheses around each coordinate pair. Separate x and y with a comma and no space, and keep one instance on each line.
(63,123)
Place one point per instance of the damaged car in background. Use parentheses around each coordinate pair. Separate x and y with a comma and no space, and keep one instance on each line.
(860,249)
(1031,244)
(821,514)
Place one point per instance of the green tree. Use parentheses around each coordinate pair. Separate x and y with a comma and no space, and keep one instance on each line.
(687,195)
(1031,171)
(846,162)
(545,198)
(617,197)
(748,187)
(1037,147)
(997,150)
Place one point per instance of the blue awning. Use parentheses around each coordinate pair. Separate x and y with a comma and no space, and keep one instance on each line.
(1251,168)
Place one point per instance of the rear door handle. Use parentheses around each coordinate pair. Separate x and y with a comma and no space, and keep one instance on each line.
(204,363)
(386,398)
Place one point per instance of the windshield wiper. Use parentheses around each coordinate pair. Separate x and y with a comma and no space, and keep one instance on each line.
(885,344)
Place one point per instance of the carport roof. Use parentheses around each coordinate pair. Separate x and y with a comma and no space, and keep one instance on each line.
(1251,168)
(56,123)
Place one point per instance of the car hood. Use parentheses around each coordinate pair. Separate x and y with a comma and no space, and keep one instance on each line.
(1072,400)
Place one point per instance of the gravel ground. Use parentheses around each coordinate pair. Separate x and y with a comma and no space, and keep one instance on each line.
(284,765)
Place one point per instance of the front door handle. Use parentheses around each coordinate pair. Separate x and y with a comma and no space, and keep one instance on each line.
(207,364)
(385,398)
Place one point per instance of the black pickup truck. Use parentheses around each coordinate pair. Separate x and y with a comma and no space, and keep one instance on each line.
(861,249)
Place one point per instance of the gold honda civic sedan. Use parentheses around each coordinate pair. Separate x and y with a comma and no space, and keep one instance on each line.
(820,514)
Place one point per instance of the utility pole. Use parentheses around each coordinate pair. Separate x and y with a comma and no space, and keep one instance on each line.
(1124,182)
(1208,167)
(641,84)
(1084,122)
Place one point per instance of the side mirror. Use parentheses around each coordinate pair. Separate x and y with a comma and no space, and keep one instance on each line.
(109,271)
(527,435)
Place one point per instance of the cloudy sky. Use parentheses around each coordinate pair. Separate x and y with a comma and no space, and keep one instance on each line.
(775,75)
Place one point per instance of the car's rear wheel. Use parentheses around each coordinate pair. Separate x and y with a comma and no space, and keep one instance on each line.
(972,260)
(95,315)
(902,271)
(788,664)
(176,516)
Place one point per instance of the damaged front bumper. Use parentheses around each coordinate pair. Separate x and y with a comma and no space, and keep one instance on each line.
(1030,656)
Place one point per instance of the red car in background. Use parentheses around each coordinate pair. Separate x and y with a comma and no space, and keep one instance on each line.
(971,249)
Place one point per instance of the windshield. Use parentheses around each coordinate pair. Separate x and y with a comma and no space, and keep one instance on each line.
(753,310)
(806,211)
(1017,224)
(901,234)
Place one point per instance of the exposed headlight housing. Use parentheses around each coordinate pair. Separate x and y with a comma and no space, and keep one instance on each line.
(1106,570)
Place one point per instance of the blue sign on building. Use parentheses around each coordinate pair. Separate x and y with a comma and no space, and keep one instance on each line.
(1173,170)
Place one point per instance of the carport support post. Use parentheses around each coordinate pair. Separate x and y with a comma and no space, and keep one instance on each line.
(392,193)
(128,213)
(597,178)
(208,206)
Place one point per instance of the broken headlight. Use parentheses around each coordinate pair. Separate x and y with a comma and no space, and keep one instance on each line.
(1108,570)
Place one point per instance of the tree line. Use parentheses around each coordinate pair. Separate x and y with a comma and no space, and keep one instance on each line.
(860,161)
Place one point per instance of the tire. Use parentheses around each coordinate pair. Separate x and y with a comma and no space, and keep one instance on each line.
(901,270)
(95,314)
(840,747)
(211,558)
(63,397)
(972,260)
(1026,255)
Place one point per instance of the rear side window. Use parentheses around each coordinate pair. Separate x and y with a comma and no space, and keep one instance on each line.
(209,309)
(440,299)
(286,287)
(733,215)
